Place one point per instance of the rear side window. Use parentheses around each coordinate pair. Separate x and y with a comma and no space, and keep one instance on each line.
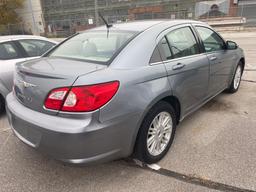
(35,48)
(8,51)
(182,42)
(156,57)
(165,49)
(211,40)
(97,46)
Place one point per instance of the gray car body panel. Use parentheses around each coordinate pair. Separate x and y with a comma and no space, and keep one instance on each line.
(6,76)
(74,140)
(110,132)
(44,74)
(3,90)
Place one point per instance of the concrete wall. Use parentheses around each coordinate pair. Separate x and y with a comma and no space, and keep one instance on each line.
(32,16)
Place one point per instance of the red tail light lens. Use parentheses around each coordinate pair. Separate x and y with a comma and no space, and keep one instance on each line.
(55,98)
(81,98)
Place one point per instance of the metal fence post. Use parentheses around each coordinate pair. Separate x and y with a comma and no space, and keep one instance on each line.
(96,12)
(242,13)
(8,29)
(21,26)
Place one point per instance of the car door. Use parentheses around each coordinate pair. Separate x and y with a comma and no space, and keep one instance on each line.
(221,60)
(187,67)
(9,56)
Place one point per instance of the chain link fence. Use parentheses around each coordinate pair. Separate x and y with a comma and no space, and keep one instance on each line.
(223,15)
(14,29)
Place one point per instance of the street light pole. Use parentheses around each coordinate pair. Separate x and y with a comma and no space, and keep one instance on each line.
(96,12)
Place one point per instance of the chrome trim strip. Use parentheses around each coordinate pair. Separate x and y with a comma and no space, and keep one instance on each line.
(186,57)
(157,63)
(67,112)
(177,59)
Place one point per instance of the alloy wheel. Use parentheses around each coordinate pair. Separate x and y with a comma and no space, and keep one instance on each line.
(159,133)
(237,77)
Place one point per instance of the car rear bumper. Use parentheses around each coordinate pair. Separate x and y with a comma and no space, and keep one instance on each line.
(73,140)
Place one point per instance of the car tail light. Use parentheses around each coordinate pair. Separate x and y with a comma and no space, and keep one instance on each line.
(81,98)
(55,98)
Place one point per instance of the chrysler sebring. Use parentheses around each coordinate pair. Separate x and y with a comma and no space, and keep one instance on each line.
(115,91)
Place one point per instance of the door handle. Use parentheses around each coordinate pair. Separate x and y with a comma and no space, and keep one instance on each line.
(178,66)
(213,58)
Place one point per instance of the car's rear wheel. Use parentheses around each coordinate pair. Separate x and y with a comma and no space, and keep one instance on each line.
(156,133)
(2,104)
(235,84)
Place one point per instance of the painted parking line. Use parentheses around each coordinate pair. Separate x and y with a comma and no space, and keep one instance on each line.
(5,141)
(155,168)
(5,130)
(249,81)
(249,69)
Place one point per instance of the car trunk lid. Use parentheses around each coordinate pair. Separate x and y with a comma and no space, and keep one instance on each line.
(33,80)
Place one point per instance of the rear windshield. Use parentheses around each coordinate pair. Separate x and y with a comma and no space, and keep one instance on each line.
(97,46)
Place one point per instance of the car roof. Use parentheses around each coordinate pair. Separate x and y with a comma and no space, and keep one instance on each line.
(145,24)
(17,37)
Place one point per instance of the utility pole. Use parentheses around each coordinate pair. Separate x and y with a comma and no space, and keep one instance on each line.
(33,17)
(96,12)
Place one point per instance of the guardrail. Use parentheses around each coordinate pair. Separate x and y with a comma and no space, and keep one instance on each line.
(225,21)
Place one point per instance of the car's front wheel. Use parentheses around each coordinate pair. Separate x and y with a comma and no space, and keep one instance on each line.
(235,84)
(156,133)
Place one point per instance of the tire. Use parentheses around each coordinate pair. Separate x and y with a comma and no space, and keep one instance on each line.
(2,105)
(236,81)
(146,134)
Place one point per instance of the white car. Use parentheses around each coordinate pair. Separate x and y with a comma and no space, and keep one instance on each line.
(18,48)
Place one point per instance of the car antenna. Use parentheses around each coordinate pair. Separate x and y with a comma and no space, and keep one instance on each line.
(106,23)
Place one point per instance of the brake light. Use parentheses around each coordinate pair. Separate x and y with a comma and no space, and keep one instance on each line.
(55,98)
(81,98)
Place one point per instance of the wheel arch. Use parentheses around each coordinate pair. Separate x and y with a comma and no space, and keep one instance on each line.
(171,99)
(242,60)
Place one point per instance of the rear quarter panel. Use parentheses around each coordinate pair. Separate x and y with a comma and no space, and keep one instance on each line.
(6,75)
(139,90)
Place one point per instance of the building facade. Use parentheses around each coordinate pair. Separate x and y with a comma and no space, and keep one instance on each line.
(216,8)
(64,17)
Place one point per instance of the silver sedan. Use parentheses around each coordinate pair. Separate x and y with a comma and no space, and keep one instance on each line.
(18,48)
(109,93)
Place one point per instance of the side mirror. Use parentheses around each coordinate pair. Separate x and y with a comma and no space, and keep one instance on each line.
(231,45)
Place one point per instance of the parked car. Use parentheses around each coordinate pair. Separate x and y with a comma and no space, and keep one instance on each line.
(109,93)
(15,49)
